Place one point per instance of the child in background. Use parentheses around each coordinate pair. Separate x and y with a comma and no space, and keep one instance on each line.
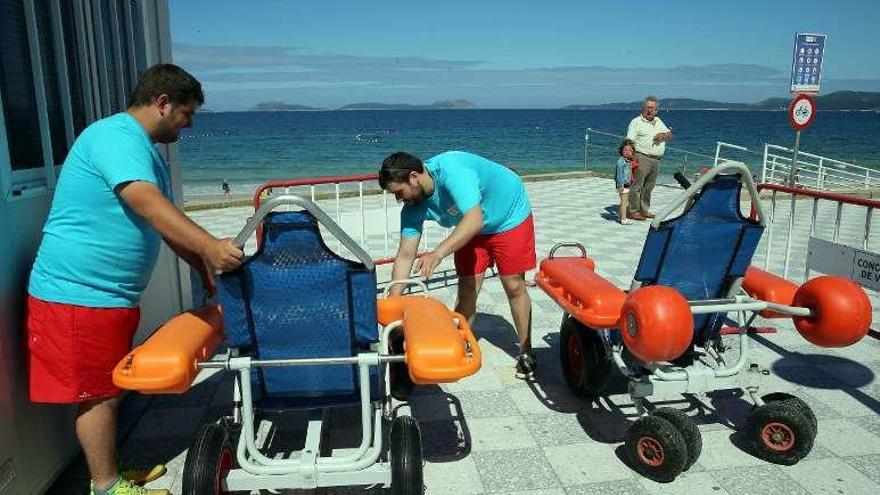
(623,176)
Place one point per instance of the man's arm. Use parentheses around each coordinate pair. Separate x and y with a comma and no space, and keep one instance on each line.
(665,133)
(403,262)
(198,263)
(147,201)
(470,225)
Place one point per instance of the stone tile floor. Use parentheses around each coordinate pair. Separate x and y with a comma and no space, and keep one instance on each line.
(492,433)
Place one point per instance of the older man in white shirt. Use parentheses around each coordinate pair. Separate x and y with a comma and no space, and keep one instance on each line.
(650,135)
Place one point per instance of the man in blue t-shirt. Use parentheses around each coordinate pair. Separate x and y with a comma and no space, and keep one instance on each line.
(487,205)
(110,212)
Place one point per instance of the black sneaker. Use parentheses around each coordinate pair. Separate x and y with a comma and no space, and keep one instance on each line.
(526,366)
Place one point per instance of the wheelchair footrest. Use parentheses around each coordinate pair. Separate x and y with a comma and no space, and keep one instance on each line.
(438,343)
(166,362)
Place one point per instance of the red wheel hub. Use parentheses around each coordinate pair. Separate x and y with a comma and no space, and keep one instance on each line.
(778,436)
(224,464)
(650,451)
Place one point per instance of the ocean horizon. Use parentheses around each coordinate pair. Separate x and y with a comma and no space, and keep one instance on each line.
(248,148)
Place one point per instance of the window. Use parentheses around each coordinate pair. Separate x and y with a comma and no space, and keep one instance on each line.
(75,66)
(17,88)
(51,82)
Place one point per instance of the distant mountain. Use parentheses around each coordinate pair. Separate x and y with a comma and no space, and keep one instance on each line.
(280,106)
(437,105)
(839,100)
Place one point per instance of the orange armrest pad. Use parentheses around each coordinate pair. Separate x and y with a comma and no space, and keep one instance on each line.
(166,362)
(583,293)
(769,287)
(437,350)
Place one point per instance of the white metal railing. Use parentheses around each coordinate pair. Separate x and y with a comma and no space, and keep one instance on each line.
(815,171)
(688,161)
(858,224)
(357,205)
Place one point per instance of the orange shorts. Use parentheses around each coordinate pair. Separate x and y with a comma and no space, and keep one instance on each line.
(73,350)
(513,251)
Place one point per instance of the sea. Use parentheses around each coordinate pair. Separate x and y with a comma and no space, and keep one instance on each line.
(246,149)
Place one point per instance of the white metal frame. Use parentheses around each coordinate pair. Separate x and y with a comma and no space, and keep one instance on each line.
(709,372)
(307,469)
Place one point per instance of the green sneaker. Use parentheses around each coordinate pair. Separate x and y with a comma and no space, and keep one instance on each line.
(127,487)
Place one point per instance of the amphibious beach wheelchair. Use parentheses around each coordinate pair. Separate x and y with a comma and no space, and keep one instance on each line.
(304,330)
(664,334)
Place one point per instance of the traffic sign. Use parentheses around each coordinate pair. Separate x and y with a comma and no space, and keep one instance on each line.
(806,63)
(802,111)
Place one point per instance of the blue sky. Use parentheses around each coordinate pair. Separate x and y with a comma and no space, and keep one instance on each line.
(513,54)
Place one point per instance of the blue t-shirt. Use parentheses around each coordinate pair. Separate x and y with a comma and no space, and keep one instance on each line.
(96,251)
(462,181)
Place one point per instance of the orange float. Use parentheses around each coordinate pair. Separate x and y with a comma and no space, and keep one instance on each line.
(581,292)
(166,363)
(656,323)
(769,287)
(842,311)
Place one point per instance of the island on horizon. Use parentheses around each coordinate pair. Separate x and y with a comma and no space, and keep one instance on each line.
(838,100)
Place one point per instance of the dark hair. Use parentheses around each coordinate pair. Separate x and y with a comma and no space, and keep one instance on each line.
(624,144)
(397,167)
(169,79)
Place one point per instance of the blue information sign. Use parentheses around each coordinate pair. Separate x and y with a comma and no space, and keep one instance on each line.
(806,64)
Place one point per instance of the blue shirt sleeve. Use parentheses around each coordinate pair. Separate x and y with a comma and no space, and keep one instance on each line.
(127,159)
(411,220)
(463,186)
(621,173)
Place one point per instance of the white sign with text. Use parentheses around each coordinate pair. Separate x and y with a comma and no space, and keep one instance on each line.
(830,258)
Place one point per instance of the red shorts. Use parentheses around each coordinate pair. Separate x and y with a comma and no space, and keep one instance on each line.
(73,350)
(513,251)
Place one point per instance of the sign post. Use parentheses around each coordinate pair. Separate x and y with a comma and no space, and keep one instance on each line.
(806,73)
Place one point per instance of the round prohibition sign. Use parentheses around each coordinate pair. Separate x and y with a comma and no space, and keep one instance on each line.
(802,111)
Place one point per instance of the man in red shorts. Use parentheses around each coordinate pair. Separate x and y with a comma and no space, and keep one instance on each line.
(487,205)
(100,243)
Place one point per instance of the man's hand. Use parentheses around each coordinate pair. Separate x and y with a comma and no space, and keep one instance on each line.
(662,136)
(426,265)
(223,255)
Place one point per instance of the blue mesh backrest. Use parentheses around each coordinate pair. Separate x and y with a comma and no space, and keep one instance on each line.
(297,299)
(703,251)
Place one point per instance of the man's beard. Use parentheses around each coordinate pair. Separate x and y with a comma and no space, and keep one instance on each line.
(420,197)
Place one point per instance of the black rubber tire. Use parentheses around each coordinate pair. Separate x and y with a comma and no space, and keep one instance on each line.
(401,384)
(205,461)
(406,457)
(673,451)
(581,347)
(799,404)
(693,439)
(782,424)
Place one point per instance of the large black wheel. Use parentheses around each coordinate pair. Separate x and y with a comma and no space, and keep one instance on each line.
(585,364)
(802,407)
(208,461)
(401,384)
(685,425)
(656,449)
(406,457)
(779,433)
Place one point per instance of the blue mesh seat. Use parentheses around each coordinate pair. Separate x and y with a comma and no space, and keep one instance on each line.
(703,251)
(297,299)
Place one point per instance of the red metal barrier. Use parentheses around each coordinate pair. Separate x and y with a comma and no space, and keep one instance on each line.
(840,199)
